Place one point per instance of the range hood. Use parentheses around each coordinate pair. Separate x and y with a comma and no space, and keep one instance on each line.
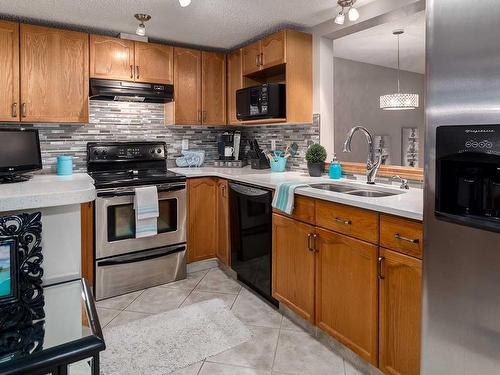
(105,89)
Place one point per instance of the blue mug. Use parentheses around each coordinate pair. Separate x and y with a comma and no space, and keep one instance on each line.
(64,165)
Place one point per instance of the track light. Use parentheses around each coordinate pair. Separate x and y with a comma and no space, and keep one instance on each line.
(347,8)
(141,29)
(184,3)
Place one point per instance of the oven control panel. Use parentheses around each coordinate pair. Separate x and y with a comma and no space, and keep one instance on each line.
(145,151)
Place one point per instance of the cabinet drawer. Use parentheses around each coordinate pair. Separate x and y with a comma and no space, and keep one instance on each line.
(352,221)
(304,210)
(403,235)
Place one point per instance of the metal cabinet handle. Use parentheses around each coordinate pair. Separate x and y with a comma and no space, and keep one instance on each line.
(261,60)
(309,237)
(380,261)
(199,116)
(257,60)
(223,191)
(402,238)
(315,237)
(14,110)
(137,74)
(23,110)
(343,221)
(131,71)
(204,116)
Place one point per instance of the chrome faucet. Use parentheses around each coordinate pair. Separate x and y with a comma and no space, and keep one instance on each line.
(374,161)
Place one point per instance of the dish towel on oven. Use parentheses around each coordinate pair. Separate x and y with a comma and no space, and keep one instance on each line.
(284,196)
(146,211)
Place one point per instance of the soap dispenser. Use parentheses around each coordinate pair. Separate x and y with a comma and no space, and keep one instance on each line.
(335,171)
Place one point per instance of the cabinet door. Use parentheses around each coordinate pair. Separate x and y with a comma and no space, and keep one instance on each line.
(187,86)
(54,75)
(223,235)
(111,58)
(234,82)
(87,222)
(213,88)
(293,265)
(251,58)
(202,215)
(154,63)
(9,74)
(400,313)
(346,292)
(273,50)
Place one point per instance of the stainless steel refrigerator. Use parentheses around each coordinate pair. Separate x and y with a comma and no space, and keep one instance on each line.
(461,307)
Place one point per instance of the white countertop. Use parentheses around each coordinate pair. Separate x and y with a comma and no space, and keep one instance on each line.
(47,191)
(409,204)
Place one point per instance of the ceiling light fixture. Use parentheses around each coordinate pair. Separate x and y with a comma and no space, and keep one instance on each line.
(347,8)
(184,3)
(399,101)
(141,29)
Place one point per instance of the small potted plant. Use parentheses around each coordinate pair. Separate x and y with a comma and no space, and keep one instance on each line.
(316,156)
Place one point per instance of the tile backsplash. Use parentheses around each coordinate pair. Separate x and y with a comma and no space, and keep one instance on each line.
(121,121)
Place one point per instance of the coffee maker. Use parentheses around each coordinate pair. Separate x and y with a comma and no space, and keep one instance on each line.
(468,175)
(228,145)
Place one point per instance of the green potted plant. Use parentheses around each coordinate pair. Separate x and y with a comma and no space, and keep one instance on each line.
(316,156)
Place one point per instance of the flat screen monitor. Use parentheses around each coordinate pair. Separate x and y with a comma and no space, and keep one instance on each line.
(19,151)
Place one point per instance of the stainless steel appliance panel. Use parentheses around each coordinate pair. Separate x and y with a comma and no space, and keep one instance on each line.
(107,247)
(461,307)
(128,273)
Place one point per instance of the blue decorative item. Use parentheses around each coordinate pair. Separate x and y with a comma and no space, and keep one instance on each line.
(335,171)
(191,159)
(64,165)
(278,163)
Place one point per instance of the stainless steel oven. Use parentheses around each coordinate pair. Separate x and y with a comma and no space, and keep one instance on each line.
(125,263)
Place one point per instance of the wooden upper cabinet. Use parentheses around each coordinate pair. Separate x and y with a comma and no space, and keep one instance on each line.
(347,292)
(54,75)
(234,82)
(273,50)
(251,58)
(111,58)
(223,227)
(202,218)
(213,88)
(400,313)
(293,265)
(9,74)
(154,63)
(187,86)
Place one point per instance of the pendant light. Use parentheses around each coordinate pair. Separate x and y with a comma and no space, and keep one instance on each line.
(398,101)
(141,29)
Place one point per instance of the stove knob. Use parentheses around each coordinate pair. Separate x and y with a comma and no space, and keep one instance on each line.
(104,152)
(96,152)
(159,151)
(152,151)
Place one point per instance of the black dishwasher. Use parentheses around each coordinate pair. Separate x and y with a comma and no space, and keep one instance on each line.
(251,237)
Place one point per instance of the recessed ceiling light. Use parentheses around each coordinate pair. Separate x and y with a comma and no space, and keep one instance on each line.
(184,3)
(141,29)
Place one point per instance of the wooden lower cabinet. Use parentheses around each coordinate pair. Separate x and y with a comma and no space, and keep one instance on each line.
(293,265)
(400,313)
(223,234)
(87,224)
(347,292)
(202,215)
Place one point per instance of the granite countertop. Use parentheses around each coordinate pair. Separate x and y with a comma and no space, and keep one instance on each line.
(47,191)
(408,205)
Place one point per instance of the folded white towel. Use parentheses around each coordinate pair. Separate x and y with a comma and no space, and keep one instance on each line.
(146,211)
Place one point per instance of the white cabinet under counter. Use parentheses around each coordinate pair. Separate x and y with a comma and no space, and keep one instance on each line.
(59,200)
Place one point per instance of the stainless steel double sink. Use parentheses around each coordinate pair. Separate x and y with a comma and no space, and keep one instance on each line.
(357,190)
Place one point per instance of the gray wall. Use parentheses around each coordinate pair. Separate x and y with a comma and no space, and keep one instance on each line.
(357,89)
(120,121)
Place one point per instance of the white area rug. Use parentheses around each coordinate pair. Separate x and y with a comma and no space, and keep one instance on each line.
(163,343)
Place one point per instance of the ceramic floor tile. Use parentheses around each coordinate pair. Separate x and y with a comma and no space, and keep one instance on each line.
(299,353)
(197,296)
(158,299)
(209,368)
(106,315)
(251,310)
(218,282)
(351,370)
(257,353)
(120,302)
(190,370)
(190,282)
(126,317)
(289,325)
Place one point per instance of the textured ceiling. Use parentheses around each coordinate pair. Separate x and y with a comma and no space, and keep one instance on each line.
(378,46)
(212,23)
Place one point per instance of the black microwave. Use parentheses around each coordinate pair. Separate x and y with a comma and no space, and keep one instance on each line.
(261,102)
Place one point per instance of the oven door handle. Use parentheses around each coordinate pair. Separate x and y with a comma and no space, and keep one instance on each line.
(130,192)
(135,259)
